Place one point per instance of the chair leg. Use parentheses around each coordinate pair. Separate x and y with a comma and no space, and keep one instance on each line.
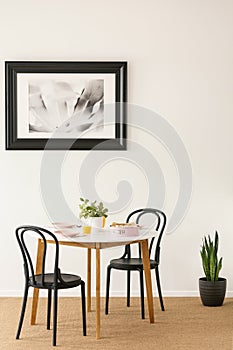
(49,308)
(107,289)
(128,288)
(83,308)
(142,294)
(55,317)
(22,311)
(159,288)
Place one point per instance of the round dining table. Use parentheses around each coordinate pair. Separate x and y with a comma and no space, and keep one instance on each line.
(100,239)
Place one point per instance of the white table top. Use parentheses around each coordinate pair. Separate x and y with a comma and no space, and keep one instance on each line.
(104,238)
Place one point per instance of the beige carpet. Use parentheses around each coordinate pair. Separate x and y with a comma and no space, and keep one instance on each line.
(185,324)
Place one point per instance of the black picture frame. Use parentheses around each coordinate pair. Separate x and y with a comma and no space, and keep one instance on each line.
(13,68)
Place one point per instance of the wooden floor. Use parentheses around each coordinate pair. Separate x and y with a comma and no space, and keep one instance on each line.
(185,324)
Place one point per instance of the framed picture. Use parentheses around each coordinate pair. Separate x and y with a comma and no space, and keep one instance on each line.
(65,105)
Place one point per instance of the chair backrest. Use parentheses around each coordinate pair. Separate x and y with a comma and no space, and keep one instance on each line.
(43,234)
(159,226)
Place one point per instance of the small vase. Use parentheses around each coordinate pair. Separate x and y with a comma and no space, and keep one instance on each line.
(97,223)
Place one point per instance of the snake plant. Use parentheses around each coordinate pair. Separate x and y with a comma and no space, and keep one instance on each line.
(209,255)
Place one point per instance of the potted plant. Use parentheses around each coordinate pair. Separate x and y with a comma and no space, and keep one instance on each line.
(212,287)
(95,213)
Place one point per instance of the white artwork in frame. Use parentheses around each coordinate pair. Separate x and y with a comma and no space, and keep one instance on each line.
(50,102)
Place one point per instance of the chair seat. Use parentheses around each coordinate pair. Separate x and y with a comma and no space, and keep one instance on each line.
(69,281)
(130,264)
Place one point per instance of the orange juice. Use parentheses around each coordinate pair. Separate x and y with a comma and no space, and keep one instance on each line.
(86,229)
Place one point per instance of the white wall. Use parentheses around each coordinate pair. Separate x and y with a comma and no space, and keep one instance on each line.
(180,58)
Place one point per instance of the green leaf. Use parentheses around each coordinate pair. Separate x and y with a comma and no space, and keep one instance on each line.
(216,243)
(212,264)
(205,263)
(219,266)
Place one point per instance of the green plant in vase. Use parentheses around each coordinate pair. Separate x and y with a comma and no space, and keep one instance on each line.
(94,212)
(212,287)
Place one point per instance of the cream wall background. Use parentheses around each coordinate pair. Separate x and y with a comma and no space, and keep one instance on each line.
(180,58)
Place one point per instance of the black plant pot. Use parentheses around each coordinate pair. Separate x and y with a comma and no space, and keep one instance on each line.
(212,293)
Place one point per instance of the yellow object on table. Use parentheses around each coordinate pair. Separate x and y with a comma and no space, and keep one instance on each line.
(103,221)
(86,229)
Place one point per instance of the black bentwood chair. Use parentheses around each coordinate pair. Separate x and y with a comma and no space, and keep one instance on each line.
(50,281)
(125,262)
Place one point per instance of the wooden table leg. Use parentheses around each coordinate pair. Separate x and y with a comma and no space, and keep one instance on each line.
(38,271)
(89,279)
(97,293)
(146,266)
